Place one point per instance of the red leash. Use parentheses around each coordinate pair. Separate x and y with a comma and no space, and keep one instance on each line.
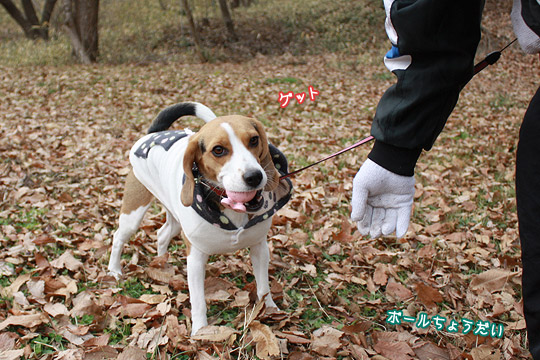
(361,142)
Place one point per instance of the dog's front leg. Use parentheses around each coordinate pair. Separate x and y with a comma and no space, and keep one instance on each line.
(196,266)
(260,258)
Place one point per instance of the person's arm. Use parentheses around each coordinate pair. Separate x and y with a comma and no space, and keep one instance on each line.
(433,47)
(434,44)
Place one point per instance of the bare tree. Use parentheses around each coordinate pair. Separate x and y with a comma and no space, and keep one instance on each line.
(81,24)
(33,27)
(194,31)
(227,19)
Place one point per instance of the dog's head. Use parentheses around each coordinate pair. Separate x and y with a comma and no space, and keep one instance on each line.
(232,153)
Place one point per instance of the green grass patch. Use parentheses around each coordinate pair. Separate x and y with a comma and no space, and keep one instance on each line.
(49,343)
(29,219)
(314,318)
(134,288)
(85,319)
(182,356)
(119,332)
(502,101)
(224,315)
(283,80)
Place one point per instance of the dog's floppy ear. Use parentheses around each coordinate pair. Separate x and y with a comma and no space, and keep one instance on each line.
(189,181)
(265,158)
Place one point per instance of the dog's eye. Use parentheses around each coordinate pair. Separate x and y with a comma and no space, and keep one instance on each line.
(219,151)
(254,141)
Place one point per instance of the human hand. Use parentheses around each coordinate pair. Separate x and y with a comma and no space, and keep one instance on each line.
(528,39)
(381,200)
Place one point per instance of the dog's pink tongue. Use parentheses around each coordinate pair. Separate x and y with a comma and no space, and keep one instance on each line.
(235,200)
(241,197)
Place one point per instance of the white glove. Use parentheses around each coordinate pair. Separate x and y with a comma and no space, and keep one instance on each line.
(528,39)
(381,200)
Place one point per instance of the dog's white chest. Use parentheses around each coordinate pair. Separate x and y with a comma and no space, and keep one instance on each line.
(212,239)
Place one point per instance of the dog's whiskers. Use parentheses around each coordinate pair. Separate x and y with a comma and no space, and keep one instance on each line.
(269,174)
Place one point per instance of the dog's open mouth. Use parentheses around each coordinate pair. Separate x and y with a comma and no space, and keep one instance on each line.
(236,200)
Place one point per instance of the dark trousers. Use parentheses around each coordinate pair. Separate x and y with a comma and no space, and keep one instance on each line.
(528,208)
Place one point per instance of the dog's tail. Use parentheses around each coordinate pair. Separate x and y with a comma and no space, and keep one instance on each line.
(166,117)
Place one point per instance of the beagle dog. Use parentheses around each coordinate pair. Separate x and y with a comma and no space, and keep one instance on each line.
(220,185)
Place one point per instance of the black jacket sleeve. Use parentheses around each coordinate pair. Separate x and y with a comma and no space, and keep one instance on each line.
(530,11)
(437,40)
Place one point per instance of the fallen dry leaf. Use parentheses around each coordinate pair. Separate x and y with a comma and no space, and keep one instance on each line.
(132,353)
(201,355)
(153,299)
(429,351)
(56,309)
(266,342)
(215,334)
(485,352)
(293,337)
(70,354)
(175,331)
(397,291)
(394,350)
(101,353)
(326,341)
(84,304)
(492,280)
(7,341)
(36,288)
(428,295)
(11,354)
(67,261)
(152,338)
(15,285)
(28,321)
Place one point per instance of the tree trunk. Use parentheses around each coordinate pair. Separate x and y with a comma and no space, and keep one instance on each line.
(82,28)
(227,19)
(30,14)
(46,14)
(29,22)
(194,31)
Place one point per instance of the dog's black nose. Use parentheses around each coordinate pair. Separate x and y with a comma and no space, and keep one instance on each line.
(253,178)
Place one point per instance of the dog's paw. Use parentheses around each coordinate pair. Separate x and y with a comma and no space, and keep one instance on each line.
(197,325)
(116,273)
(270,304)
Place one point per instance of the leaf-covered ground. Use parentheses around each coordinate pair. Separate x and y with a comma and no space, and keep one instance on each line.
(64,137)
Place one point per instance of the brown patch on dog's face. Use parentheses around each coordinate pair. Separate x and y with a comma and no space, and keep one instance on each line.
(211,149)
(190,156)
(216,149)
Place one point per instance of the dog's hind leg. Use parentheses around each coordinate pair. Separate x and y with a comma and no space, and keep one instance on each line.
(136,201)
(170,229)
